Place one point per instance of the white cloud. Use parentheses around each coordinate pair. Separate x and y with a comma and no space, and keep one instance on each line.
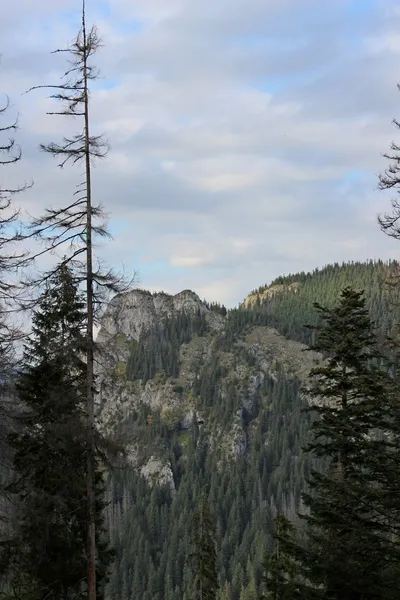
(236,128)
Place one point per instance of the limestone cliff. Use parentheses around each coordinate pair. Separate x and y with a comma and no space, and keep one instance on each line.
(243,366)
(131,313)
(212,402)
(128,317)
(268,293)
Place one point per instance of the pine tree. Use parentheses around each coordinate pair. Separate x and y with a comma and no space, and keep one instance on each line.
(250,591)
(50,448)
(204,555)
(347,551)
(280,575)
(226,593)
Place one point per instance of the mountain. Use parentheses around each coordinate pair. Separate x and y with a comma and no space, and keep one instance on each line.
(208,399)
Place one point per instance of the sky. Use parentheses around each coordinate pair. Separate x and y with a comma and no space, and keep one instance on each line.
(246,135)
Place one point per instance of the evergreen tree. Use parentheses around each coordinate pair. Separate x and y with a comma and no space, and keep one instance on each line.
(48,551)
(348,551)
(250,591)
(280,570)
(204,554)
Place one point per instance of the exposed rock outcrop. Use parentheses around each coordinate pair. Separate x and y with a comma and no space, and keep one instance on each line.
(131,313)
(268,293)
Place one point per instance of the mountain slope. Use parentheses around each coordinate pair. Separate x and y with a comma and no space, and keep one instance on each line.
(203,400)
(287,303)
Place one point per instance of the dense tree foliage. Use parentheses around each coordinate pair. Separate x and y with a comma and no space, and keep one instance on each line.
(281,580)
(203,556)
(289,310)
(351,550)
(151,527)
(157,350)
(46,555)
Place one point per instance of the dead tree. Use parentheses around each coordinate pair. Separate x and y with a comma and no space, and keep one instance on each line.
(10,260)
(76,225)
(389,222)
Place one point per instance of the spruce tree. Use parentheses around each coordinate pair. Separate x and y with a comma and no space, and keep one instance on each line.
(49,549)
(280,575)
(348,551)
(204,555)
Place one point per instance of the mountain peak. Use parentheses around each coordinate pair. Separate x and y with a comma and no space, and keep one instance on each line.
(133,312)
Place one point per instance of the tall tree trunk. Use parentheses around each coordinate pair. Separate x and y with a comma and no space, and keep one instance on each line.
(89,340)
(78,224)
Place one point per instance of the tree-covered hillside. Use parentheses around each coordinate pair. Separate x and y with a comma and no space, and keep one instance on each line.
(151,525)
(220,409)
(288,308)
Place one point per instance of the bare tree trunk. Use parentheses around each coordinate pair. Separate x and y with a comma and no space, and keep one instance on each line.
(89,340)
(77,224)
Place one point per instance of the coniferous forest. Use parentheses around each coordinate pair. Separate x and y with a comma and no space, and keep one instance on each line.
(189,451)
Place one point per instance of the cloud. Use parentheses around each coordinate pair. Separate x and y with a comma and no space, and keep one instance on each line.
(246,135)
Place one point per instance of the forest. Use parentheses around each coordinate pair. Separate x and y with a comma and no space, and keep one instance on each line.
(153,527)
(213,453)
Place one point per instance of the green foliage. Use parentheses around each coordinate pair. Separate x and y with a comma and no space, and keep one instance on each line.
(244,495)
(158,349)
(289,311)
(204,556)
(46,557)
(152,527)
(352,532)
(220,309)
(280,580)
(178,389)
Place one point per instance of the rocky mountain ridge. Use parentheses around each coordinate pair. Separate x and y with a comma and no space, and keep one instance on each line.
(129,317)
(133,312)
(207,401)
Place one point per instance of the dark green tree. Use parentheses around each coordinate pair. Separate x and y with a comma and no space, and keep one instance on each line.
(47,555)
(204,555)
(281,573)
(349,549)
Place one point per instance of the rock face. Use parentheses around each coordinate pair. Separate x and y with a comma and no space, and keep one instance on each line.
(131,314)
(136,311)
(268,293)
(157,472)
(128,316)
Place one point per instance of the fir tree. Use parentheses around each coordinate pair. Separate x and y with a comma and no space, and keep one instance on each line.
(49,549)
(347,552)
(280,569)
(204,554)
